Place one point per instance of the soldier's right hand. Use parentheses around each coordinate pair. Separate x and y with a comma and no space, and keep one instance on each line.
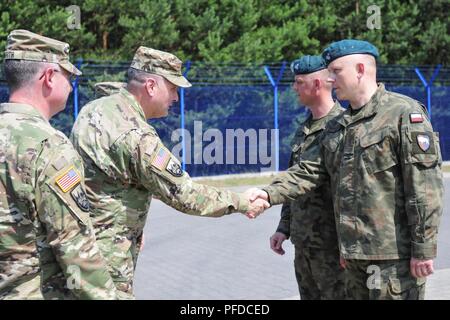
(256,208)
(276,242)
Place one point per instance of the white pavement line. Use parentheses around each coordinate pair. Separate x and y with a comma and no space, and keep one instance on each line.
(437,287)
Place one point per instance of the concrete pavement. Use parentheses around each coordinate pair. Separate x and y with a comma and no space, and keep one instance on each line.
(187,257)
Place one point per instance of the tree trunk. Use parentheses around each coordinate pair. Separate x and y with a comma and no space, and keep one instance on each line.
(105,39)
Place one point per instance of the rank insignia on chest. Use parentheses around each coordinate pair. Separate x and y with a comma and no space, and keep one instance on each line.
(415,118)
(68,179)
(424,142)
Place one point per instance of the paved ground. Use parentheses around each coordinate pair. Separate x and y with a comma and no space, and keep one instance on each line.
(197,258)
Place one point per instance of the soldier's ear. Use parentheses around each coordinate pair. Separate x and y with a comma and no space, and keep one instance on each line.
(150,85)
(360,70)
(48,77)
(317,84)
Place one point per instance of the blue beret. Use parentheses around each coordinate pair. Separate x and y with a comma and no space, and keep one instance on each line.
(308,64)
(345,47)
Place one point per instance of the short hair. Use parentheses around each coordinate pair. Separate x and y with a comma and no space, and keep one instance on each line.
(19,73)
(137,75)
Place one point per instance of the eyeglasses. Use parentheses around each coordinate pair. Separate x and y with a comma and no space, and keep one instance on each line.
(71,76)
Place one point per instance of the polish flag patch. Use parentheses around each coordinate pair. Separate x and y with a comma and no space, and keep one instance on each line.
(415,117)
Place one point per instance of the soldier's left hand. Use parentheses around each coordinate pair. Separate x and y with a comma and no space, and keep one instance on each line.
(421,268)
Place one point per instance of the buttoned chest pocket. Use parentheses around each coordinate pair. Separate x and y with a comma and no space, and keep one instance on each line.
(378,151)
(331,142)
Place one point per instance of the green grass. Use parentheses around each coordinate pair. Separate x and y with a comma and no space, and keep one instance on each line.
(251,181)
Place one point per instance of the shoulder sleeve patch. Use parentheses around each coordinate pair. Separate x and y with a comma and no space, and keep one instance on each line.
(160,158)
(174,167)
(68,179)
(423,143)
(80,198)
(415,118)
(60,163)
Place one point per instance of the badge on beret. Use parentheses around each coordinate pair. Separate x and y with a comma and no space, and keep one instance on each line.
(68,179)
(415,118)
(66,49)
(423,141)
(80,198)
(174,168)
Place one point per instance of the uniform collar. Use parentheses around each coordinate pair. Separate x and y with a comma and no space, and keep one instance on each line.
(132,102)
(22,108)
(322,122)
(368,110)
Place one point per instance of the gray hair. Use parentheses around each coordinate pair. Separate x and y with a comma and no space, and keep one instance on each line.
(136,75)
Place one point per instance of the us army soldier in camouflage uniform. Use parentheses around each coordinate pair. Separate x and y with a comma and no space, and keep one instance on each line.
(384,163)
(126,163)
(107,88)
(46,236)
(309,220)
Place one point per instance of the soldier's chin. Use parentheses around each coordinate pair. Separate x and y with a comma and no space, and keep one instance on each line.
(339,94)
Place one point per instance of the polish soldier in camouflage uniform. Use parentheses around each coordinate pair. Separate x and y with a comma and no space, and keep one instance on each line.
(47,243)
(126,163)
(309,220)
(384,163)
(107,88)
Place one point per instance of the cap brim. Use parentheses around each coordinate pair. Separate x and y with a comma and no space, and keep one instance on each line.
(70,68)
(179,81)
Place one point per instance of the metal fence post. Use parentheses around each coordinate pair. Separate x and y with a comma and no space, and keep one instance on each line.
(275,110)
(182,119)
(428,85)
(75,90)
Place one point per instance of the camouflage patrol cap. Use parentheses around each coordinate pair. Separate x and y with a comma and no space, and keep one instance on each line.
(162,63)
(107,88)
(26,45)
(346,47)
(308,64)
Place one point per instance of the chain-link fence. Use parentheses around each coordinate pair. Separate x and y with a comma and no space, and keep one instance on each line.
(240,119)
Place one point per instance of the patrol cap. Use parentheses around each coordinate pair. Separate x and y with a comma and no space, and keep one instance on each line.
(308,64)
(107,88)
(26,45)
(161,63)
(346,47)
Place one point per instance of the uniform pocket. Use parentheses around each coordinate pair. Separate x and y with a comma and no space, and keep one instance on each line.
(410,289)
(332,140)
(377,152)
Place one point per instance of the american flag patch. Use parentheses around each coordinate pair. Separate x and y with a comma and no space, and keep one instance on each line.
(68,179)
(415,118)
(161,158)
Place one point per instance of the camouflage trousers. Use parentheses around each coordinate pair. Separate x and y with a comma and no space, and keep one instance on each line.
(319,275)
(382,280)
(27,290)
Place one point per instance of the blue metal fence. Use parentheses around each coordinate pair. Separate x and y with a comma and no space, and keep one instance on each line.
(239,118)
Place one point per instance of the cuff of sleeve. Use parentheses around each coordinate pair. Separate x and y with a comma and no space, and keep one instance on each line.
(274,196)
(423,251)
(283,229)
(243,204)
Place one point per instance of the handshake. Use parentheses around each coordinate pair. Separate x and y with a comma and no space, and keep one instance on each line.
(258,202)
